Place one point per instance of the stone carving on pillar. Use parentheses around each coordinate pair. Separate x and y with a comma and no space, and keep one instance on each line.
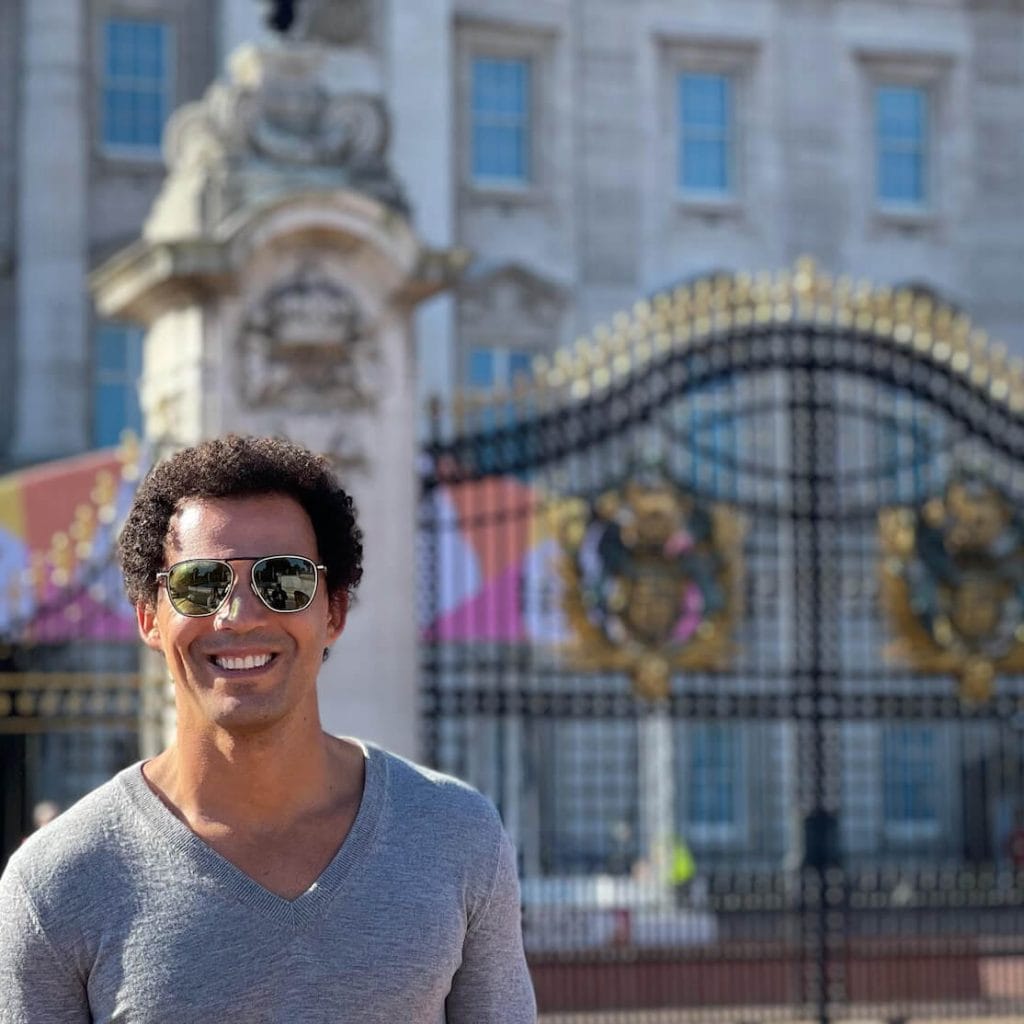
(304,346)
(272,129)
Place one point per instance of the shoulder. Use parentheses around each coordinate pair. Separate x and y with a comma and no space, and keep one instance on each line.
(417,787)
(437,814)
(446,830)
(81,844)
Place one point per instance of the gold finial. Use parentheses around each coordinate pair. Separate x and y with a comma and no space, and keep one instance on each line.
(803,280)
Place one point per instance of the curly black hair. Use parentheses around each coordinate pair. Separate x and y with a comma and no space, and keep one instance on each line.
(240,467)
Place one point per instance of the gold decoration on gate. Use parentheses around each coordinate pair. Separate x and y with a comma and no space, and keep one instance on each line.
(952,584)
(905,319)
(652,581)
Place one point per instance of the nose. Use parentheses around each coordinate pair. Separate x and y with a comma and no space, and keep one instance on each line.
(242,607)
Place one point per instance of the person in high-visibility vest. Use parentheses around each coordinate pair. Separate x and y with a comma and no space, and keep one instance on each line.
(682,869)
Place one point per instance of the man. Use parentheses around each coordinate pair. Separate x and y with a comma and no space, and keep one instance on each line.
(259,869)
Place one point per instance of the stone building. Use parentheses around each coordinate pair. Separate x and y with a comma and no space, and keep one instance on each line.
(587,152)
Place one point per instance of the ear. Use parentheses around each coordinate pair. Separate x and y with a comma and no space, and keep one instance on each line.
(337,613)
(149,629)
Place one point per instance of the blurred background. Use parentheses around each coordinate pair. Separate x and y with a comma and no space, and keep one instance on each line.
(696,327)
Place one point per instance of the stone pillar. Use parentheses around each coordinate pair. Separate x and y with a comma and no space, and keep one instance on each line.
(53,314)
(657,799)
(277,275)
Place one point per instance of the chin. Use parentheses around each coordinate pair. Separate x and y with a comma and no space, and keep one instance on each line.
(245,715)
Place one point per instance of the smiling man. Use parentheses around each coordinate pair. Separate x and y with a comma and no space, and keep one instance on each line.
(259,869)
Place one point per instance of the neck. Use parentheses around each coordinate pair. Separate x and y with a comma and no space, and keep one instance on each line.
(267,778)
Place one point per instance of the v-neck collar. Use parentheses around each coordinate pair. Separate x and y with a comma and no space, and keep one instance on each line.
(308,905)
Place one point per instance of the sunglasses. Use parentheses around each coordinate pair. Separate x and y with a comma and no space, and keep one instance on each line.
(200,586)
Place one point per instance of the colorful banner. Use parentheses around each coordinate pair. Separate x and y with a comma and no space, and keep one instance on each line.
(59,581)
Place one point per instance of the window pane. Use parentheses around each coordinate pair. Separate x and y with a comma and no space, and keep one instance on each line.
(705,118)
(909,775)
(712,775)
(108,415)
(111,350)
(901,114)
(704,101)
(500,106)
(117,365)
(901,177)
(704,165)
(901,123)
(135,91)
(498,152)
(481,368)
(117,48)
(519,365)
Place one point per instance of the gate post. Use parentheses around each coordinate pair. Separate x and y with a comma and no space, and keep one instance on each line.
(276,277)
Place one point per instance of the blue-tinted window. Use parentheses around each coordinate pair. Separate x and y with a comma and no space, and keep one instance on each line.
(481,368)
(136,83)
(520,364)
(712,437)
(117,367)
(901,141)
(497,367)
(713,776)
(705,133)
(500,132)
(909,774)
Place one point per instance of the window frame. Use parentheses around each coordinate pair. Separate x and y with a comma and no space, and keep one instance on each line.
(141,152)
(931,72)
(735,59)
(534,45)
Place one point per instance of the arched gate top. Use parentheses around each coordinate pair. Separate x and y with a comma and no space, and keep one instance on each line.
(804,297)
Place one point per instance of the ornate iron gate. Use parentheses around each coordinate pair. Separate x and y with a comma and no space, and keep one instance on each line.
(726,612)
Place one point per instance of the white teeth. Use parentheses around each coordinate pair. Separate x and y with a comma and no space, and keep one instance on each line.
(249,661)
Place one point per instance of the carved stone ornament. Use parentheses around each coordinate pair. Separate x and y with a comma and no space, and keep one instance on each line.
(652,581)
(303,346)
(512,302)
(275,114)
(953,584)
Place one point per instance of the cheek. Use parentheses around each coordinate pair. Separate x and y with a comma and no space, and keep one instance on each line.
(177,636)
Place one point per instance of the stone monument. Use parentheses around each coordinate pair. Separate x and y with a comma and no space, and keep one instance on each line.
(276,276)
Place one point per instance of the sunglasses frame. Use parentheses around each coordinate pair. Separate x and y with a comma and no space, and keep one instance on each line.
(164,574)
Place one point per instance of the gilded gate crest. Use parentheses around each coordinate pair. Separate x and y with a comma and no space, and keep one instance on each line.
(953,584)
(652,581)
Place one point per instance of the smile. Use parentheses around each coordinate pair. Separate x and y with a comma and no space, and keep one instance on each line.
(250,661)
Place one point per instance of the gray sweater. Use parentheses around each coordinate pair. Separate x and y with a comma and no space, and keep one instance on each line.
(118,912)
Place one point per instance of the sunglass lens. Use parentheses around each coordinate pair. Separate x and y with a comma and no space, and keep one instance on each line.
(285,583)
(199,586)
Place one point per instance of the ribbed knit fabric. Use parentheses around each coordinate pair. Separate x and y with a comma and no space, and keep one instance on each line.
(117,912)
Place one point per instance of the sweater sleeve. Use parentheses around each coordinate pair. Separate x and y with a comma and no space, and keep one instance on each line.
(36,985)
(492,985)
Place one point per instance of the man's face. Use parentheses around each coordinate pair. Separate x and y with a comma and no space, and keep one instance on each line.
(203,654)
